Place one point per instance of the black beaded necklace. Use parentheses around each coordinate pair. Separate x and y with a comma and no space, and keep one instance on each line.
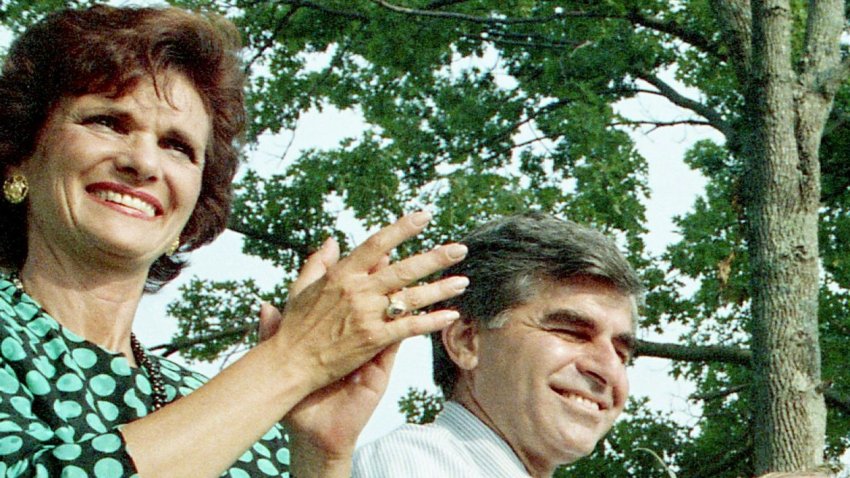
(143,360)
(152,368)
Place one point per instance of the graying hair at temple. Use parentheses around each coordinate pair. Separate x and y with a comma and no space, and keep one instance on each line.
(508,256)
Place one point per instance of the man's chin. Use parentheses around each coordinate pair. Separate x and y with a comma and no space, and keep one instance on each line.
(577,448)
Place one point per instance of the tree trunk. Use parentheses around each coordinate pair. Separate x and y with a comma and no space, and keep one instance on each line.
(782,221)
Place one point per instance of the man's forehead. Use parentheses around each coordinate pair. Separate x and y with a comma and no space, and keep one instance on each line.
(550,295)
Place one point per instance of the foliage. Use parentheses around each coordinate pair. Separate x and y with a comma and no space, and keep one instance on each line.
(478,108)
(420,406)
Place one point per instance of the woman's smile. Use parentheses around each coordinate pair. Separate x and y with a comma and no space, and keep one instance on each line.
(126,200)
(139,155)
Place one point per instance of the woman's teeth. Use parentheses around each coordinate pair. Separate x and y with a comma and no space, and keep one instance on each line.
(128,201)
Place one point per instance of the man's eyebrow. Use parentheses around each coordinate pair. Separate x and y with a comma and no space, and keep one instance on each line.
(574,318)
(627,340)
(568,317)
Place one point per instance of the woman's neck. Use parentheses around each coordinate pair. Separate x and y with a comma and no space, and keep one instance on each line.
(94,302)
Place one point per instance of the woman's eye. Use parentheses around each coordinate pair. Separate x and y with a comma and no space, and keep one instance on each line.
(181,148)
(106,121)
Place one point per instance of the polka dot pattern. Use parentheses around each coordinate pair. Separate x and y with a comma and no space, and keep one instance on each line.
(63,399)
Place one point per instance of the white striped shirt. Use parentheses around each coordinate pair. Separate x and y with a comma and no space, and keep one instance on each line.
(456,445)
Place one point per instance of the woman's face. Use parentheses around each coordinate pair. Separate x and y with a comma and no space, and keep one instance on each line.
(117,178)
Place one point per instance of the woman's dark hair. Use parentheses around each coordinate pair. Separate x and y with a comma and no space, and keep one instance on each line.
(109,50)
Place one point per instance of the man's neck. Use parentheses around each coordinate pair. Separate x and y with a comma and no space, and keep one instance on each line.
(535,467)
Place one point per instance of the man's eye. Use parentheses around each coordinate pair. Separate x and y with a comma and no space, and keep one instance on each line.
(571,334)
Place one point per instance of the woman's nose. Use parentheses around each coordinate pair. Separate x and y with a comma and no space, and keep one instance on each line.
(142,160)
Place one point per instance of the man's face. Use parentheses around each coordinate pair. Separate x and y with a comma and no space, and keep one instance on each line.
(552,380)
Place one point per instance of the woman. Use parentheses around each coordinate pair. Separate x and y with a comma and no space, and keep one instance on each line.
(117,131)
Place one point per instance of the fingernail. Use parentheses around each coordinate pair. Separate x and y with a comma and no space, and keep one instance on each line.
(456,251)
(450,315)
(459,284)
(420,218)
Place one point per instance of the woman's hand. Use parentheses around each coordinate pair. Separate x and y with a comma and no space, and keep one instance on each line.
(325,425)
(338,322)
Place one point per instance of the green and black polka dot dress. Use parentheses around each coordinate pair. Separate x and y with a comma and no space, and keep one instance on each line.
(63,400)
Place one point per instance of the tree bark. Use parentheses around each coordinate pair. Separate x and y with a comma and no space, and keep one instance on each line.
(782,221)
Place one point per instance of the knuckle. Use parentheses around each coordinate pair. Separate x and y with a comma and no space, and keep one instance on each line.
(414,301)
(334,275)
(371,335)
(415,326)
(405,274)
(377,243)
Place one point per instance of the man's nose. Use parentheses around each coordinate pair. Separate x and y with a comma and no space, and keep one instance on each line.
(600,363)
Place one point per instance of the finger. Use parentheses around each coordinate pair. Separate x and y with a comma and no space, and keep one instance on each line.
(375,372)
(316,266)
(365,256)
(269,321)
(414,268)
(384,262)
(386,358)
(413,325)
(421,296)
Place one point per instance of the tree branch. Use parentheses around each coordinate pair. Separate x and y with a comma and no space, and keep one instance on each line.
(837,400)
(833,399)
(270,41)
(831,79)
(723,393)
(442,3)
(467,18)
(332,11)
(678,99)
(694,353)
(644,349)
(265,237)
(822,56)
(183,344)
(717,465)
(660,124)
(693,38)
(734,17)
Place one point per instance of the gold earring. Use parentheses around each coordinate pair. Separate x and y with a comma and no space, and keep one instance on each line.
(15,188)
(172,249)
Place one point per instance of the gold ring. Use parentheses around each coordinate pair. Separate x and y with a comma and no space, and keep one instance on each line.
(396,309)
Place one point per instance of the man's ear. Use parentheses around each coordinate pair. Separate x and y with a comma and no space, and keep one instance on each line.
(460,340)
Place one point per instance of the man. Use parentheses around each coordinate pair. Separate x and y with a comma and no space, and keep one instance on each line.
(535,370)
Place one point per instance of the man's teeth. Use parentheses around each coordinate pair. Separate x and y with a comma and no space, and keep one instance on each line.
(581,400)
(127,200)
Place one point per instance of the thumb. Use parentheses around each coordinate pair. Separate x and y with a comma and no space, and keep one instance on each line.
(269,321)
(316,266)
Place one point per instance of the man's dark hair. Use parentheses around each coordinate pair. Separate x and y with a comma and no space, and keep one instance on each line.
(508,256)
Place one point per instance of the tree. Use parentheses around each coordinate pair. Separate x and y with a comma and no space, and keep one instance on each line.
(483,107)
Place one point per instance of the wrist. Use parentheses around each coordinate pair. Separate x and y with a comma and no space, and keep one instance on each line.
(310,461)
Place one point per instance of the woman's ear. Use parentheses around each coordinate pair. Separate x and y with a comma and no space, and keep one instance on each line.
(460,340)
